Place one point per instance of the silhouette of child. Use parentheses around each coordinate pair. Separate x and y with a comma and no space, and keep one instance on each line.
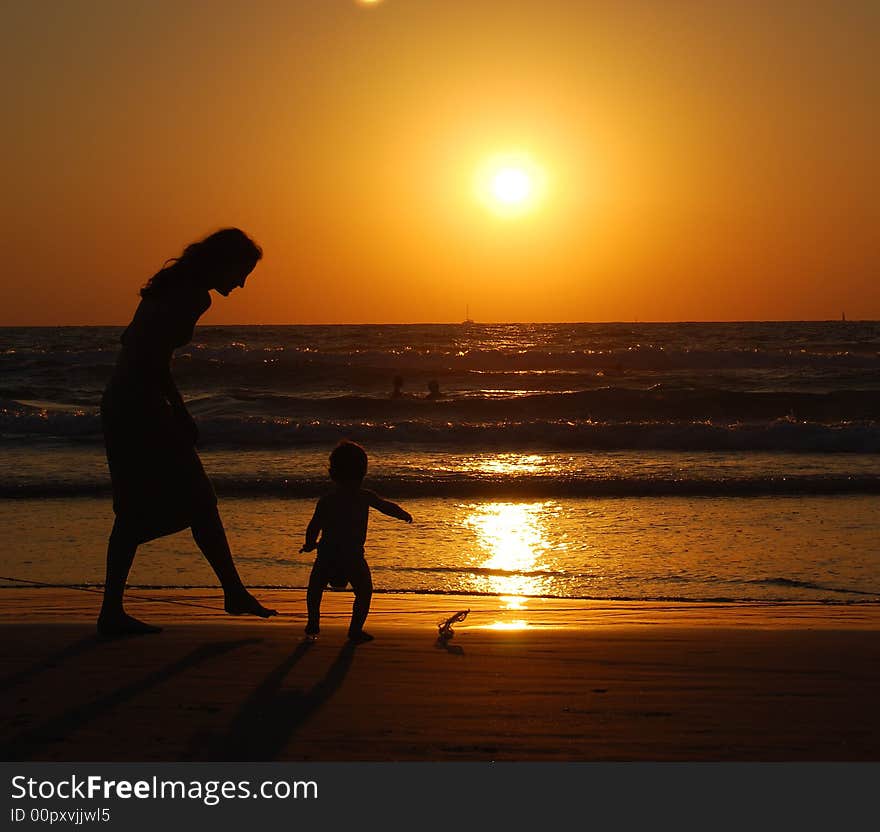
(341,520)
(434,390)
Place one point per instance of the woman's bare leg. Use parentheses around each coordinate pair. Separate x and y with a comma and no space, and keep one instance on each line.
(210,537)
(113,620)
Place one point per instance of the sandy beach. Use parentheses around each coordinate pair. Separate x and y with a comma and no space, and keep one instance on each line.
(552,680)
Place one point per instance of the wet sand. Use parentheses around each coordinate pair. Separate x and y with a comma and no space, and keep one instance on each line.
(555,680)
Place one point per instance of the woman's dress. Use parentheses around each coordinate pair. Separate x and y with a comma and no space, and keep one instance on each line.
(159,484)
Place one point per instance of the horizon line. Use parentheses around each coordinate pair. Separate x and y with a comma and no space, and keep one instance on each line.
(486,323)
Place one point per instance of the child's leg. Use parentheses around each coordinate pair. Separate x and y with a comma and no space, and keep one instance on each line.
(362,584)
(314,594)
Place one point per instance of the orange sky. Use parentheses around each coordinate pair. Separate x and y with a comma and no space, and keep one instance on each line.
(702,161)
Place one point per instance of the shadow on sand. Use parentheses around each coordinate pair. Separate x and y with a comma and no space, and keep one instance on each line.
(77,648)
(271,716)
(57,729)
(453,649)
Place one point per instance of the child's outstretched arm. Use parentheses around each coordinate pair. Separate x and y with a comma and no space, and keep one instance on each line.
(312,531)
(387,507)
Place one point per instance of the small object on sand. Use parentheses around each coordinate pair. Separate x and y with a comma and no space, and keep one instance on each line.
(445,631)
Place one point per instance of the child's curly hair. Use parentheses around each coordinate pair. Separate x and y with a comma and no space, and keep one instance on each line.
(348,462)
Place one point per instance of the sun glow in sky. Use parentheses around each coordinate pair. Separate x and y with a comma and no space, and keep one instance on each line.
(636,161)
(510,184)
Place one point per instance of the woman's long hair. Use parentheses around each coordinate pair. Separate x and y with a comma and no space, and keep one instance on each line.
(200,260)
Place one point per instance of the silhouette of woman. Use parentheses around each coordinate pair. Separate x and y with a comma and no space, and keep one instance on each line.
(159,485)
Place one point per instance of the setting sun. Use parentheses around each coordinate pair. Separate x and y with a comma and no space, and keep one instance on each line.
(511,185)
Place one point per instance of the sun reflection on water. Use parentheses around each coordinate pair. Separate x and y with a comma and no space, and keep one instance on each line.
(506,464)
(512,543)
(518,624)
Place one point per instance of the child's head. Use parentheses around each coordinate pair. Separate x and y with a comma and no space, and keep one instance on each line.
(348,463)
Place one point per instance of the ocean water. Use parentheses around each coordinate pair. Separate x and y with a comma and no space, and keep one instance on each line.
(675,461)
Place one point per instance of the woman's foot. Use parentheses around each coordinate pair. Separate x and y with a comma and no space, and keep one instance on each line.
(245,604)
(122,624)
(359,638)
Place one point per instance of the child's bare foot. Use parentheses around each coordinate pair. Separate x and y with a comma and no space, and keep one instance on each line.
(312,633)
(360,638)
(245,604)
(122,624)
